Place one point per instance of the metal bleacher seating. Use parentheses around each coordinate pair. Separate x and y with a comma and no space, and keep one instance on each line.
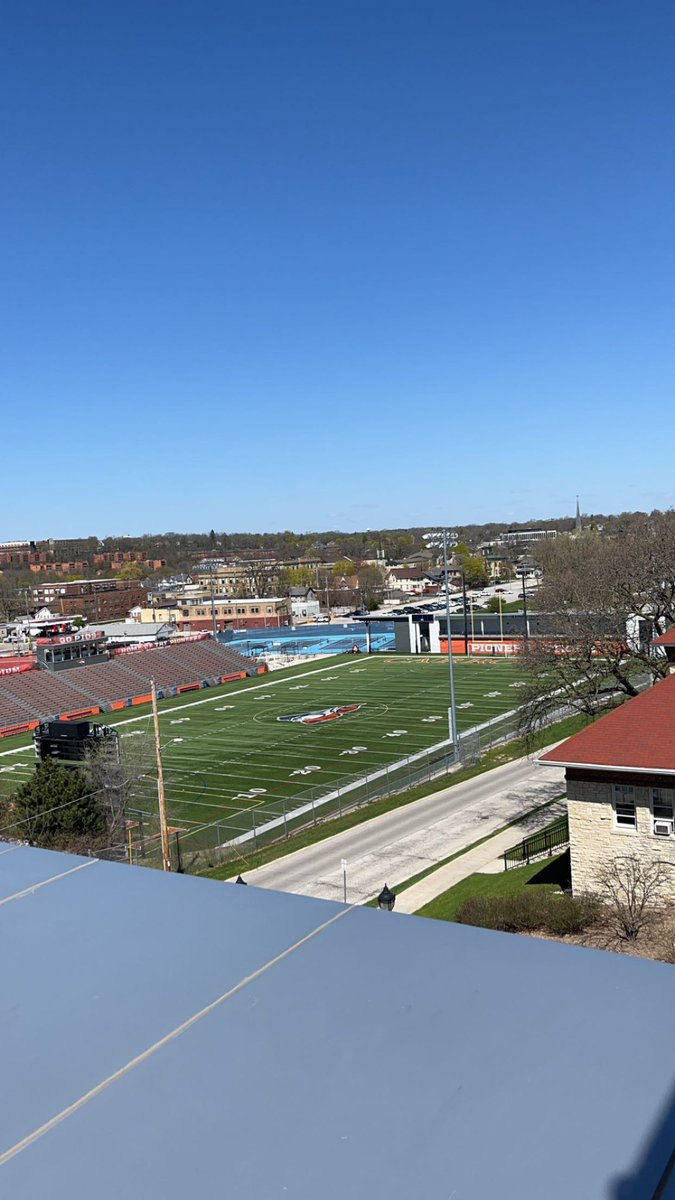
(12,711)
(41,694)
(210,658)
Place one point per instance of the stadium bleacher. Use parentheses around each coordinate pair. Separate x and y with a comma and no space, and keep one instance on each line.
(12,712)
(43,694)
(38,695)
(209,657)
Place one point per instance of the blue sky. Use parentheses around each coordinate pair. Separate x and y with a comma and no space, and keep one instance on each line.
(288,264)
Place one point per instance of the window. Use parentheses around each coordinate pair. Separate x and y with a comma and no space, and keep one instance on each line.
(624,806)
(662,804)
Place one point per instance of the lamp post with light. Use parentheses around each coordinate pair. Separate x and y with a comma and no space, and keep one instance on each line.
(386,899)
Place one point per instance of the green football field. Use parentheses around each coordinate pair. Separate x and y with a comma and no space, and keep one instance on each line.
(271,743)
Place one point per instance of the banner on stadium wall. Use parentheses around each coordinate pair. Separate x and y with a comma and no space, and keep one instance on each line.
(17,668)
(485,648)
(67,639)
(134,649)
(173,641)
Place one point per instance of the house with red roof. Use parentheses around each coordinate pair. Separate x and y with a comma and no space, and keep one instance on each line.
(667,642)
(620,774)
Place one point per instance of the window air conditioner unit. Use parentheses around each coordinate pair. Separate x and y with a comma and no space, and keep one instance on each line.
(663,828)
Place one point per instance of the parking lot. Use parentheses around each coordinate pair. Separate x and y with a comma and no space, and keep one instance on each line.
(477,597)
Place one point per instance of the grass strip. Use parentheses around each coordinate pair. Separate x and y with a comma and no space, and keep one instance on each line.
(553,873)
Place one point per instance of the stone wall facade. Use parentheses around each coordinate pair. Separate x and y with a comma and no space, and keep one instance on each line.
(596,837)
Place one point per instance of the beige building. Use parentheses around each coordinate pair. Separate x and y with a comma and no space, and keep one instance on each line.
(195,614)
(620,775)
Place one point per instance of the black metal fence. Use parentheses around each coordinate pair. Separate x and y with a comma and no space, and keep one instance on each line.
(539,845)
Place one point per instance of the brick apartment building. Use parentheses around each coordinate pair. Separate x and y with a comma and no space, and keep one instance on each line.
(95,599)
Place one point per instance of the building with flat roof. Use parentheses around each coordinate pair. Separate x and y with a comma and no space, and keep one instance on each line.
(169,1036)
(94,599)
(191,614)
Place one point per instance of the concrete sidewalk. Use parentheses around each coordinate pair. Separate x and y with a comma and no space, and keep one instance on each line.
(486,858)
(399,844)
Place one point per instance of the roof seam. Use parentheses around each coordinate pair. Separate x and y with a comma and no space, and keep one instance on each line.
(35,887)
(58,1118)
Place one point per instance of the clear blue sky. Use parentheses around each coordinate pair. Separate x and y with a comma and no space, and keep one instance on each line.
(300,264)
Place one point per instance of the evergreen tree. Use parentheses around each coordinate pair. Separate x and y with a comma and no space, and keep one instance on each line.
(55,808)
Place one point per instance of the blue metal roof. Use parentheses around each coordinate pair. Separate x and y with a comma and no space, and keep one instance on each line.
(214,1039)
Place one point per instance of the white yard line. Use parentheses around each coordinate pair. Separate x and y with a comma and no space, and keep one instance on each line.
(359,781)
(209,699)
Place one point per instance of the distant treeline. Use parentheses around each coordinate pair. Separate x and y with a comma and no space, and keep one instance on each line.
(179,550)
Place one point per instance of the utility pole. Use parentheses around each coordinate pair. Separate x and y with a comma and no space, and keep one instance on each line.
(163,827)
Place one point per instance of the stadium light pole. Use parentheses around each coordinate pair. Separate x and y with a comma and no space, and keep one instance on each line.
(526,631)
(434,539)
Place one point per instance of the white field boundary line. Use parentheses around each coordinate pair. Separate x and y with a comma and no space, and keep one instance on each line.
(209,699)
(381,773)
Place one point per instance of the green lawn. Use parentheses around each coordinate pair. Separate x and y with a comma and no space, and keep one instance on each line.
(551,874)
(230,751)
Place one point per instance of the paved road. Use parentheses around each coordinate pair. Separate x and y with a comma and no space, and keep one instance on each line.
(399,844)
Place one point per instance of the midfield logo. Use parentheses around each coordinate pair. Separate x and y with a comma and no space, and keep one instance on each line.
(324,714)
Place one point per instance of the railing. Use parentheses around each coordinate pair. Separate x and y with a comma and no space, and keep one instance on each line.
(539,845)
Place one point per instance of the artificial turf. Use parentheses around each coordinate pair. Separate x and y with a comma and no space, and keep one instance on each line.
(226,750)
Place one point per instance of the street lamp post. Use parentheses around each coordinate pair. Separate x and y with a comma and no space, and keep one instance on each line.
(452,713)
(386,899)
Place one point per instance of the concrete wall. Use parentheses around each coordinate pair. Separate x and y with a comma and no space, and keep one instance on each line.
(595,837)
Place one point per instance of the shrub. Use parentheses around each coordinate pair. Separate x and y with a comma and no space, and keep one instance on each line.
(480,910)
(529,911)
(570,914)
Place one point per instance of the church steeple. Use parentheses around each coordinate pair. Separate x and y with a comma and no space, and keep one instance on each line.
(577,522)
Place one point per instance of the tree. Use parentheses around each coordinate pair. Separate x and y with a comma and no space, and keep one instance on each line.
(114,780)
(56,808)
(343,567)
(10,600)
(593,589)
(261,579)
(295,577)
(371,583)
(631,888)
(131,571)
(475,570)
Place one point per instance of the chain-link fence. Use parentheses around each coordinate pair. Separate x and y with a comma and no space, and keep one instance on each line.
(194,846)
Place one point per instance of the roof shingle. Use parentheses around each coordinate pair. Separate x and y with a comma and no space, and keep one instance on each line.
(638,736)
